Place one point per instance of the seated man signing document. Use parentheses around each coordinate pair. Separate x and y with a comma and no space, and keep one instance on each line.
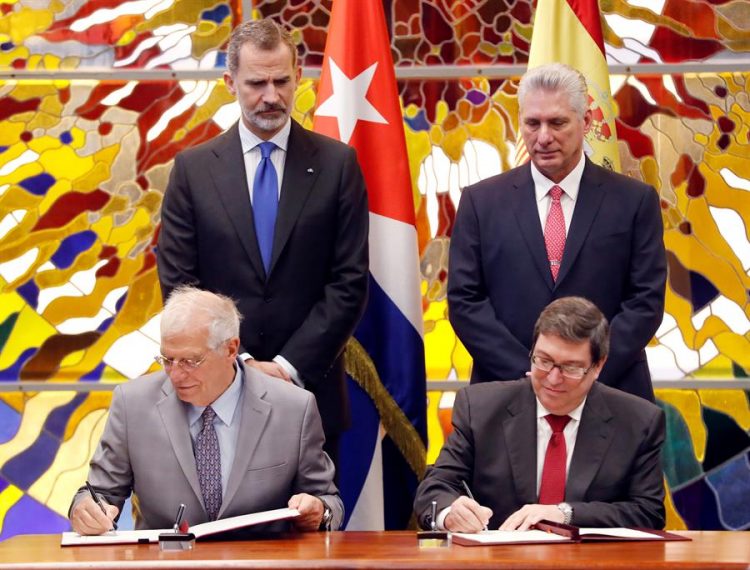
(209,432)
(557,445)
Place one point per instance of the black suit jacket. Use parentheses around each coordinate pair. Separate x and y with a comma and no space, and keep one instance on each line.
(615,475)
(308,305)
(499,278)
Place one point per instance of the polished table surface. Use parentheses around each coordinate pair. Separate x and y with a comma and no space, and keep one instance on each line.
(383,550)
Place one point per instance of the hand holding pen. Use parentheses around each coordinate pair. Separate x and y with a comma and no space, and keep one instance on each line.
(93,516)
(466,515)
(471,496)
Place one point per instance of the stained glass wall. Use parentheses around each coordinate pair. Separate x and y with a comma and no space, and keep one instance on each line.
(97,96)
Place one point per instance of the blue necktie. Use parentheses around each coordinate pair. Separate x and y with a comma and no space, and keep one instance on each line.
(265,202)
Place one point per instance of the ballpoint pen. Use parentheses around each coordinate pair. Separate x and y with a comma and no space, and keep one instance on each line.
(98,501)
(433,516)
(470,495)
(178,518)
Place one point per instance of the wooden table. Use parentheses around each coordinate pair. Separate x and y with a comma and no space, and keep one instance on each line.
(383,550)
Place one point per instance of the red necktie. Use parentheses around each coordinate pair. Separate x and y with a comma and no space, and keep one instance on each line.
(554,232)
(552,489)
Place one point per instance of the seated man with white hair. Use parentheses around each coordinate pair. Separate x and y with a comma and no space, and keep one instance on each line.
(209,432)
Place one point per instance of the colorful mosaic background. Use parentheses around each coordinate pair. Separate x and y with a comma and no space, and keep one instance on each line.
(83,165)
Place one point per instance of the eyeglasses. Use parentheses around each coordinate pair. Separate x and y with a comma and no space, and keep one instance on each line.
(184,363)
(569,371)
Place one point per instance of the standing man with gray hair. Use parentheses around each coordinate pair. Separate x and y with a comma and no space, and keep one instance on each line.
(557,445)
(209,432)
(556,226)
(275,216)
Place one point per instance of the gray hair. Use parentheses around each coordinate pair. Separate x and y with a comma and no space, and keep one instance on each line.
(556,77)
(575,319)
(189,307)
(263,34)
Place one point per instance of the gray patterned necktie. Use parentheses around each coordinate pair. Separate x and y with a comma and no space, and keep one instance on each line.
(208,462)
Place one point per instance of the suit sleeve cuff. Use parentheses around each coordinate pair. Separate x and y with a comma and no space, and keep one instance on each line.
(440,522)
(291,370)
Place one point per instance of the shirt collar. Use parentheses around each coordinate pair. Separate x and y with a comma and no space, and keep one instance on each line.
(225,405)
(575,414)
(250,140)
(570,184)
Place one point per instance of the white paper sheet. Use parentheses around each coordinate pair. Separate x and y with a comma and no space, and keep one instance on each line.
(511,536)
(619,533)
(199,530)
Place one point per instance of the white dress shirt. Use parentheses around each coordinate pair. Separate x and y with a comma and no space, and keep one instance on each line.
(252,156)
(570,185)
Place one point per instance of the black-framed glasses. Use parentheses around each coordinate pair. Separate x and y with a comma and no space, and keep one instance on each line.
(568,370)
(184,363)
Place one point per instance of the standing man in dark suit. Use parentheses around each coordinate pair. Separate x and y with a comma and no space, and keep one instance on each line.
(557,446)
(276,217)
(557,226)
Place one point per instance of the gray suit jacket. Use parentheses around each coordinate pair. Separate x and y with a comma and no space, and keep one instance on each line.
(615,475)
(146,448)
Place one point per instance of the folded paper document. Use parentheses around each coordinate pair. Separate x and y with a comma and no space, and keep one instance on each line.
(199,530)
(550,532)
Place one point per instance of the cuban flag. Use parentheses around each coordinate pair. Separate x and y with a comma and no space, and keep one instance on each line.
(383,454)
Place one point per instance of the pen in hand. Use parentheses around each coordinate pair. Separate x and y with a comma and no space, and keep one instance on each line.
(98,501)
(470,495)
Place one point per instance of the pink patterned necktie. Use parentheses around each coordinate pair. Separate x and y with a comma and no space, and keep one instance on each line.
(554,232)
(552,488)
(208,463)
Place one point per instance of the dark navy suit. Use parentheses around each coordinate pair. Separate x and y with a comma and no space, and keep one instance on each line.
(499,278)
(308,305)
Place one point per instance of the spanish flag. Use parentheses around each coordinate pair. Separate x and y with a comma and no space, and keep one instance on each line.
(570,32)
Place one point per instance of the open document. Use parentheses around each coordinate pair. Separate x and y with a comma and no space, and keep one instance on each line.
(199,530)
(549,532)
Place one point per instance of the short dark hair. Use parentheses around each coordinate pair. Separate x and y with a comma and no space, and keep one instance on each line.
(263,34)
(575,319)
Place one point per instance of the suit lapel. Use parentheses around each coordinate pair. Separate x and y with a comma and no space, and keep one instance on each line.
(594,438)
(519,430)
(255,414)
(174,417)
(523,203)
(301,170)
(590,195)
(230,179)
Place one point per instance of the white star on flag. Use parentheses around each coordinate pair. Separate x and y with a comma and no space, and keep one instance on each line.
(348,103)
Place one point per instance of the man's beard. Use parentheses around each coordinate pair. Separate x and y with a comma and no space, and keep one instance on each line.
(267,123)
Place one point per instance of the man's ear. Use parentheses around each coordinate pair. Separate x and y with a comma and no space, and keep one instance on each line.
(588,119)
(233,347)
(229,82)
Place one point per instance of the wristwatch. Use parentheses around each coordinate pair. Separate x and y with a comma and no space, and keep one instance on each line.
(325,522)
(567,512)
